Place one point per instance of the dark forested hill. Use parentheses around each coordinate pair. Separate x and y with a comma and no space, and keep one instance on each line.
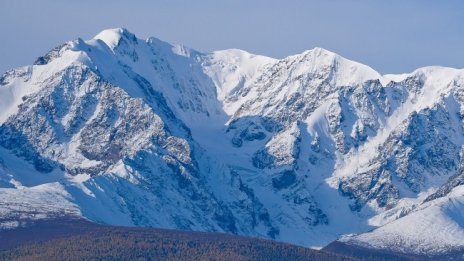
(365,253)
(76,239)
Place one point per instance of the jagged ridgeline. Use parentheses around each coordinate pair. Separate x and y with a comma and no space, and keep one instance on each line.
(305,149)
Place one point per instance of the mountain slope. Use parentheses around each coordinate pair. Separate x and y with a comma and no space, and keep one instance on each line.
(304,149)
(434,228)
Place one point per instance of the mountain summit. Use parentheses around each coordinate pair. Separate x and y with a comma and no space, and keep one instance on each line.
(304,149)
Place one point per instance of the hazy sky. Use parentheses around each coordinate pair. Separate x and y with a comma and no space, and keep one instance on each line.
(392,36)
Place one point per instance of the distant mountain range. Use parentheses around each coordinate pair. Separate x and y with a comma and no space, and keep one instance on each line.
(307,150)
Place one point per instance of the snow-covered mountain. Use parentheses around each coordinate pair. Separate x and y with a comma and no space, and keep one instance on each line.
(304,149)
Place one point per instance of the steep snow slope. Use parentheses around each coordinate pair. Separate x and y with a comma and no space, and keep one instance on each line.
(433,228)
(305,149)
(232,70)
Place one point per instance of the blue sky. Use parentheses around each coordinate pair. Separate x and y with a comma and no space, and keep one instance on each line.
(392,36)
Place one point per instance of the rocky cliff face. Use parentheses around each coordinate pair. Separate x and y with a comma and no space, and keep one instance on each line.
(304,149)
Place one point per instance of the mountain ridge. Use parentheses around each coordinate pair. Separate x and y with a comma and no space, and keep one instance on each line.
(145,133)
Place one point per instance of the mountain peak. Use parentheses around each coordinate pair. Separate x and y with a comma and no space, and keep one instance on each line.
(112,36)
(322,51)
(342,70)
(318,52)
